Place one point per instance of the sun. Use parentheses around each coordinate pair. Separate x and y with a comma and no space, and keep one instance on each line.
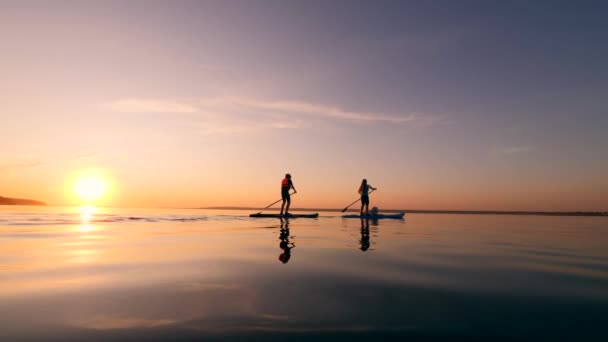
(90,188)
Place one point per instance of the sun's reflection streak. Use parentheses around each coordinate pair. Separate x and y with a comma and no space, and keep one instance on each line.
(85,228)
(84,254)
(86,215)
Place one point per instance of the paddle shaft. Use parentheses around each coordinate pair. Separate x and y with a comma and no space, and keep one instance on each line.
(273,203)
(343,210)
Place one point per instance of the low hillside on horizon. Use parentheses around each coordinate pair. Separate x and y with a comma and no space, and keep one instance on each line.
(19,201)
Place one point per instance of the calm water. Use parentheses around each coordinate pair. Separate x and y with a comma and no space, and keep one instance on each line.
(187,274)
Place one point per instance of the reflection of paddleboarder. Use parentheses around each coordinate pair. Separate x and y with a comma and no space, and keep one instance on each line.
(364,235)
(285,244)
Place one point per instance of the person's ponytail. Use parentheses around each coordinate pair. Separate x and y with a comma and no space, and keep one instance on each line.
(363,183)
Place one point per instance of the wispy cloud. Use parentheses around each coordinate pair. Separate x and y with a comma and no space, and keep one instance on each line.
(150,106)
(224,115)
(305,108)
(241,126)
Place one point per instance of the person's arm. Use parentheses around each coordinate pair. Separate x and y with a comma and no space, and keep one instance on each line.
(293,187)
(371,187)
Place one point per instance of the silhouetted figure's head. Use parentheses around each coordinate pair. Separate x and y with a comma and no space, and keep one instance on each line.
(375,210)
(288,176)
(363,184)
(284,257)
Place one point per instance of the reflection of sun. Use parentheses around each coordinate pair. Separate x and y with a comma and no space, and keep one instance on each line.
(86,213)
(85,228)
(90,189)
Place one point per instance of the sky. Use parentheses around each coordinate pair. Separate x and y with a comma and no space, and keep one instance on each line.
(461,105)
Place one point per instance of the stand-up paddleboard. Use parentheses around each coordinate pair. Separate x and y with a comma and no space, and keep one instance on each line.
(377,216)
(315,215)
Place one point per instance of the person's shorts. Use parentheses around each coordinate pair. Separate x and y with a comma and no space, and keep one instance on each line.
(285,194)
(365,200)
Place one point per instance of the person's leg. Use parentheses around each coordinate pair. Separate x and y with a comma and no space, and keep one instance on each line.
(287,208)
(283,206)
(364,204)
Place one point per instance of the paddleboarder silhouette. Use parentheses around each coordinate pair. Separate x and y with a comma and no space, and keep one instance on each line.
(364,191)
(286,185)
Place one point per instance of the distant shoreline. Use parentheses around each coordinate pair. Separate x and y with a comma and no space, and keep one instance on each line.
(19,201)
(465,212)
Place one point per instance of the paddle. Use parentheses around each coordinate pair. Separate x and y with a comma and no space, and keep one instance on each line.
(343,210)
(273,203)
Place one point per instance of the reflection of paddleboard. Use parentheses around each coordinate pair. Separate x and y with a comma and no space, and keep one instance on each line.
(377,216)
(315,215)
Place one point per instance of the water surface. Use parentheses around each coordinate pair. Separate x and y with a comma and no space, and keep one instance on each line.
(187,274)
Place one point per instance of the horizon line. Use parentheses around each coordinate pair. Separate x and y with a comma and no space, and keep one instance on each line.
(434,211)
(414,211)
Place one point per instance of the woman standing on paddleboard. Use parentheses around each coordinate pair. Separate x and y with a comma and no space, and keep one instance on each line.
(286,185)
(364,191)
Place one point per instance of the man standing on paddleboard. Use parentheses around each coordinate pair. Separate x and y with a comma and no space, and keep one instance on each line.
(364,191)
(286,185)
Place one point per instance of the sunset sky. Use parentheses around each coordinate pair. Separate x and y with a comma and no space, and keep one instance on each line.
(480,105)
